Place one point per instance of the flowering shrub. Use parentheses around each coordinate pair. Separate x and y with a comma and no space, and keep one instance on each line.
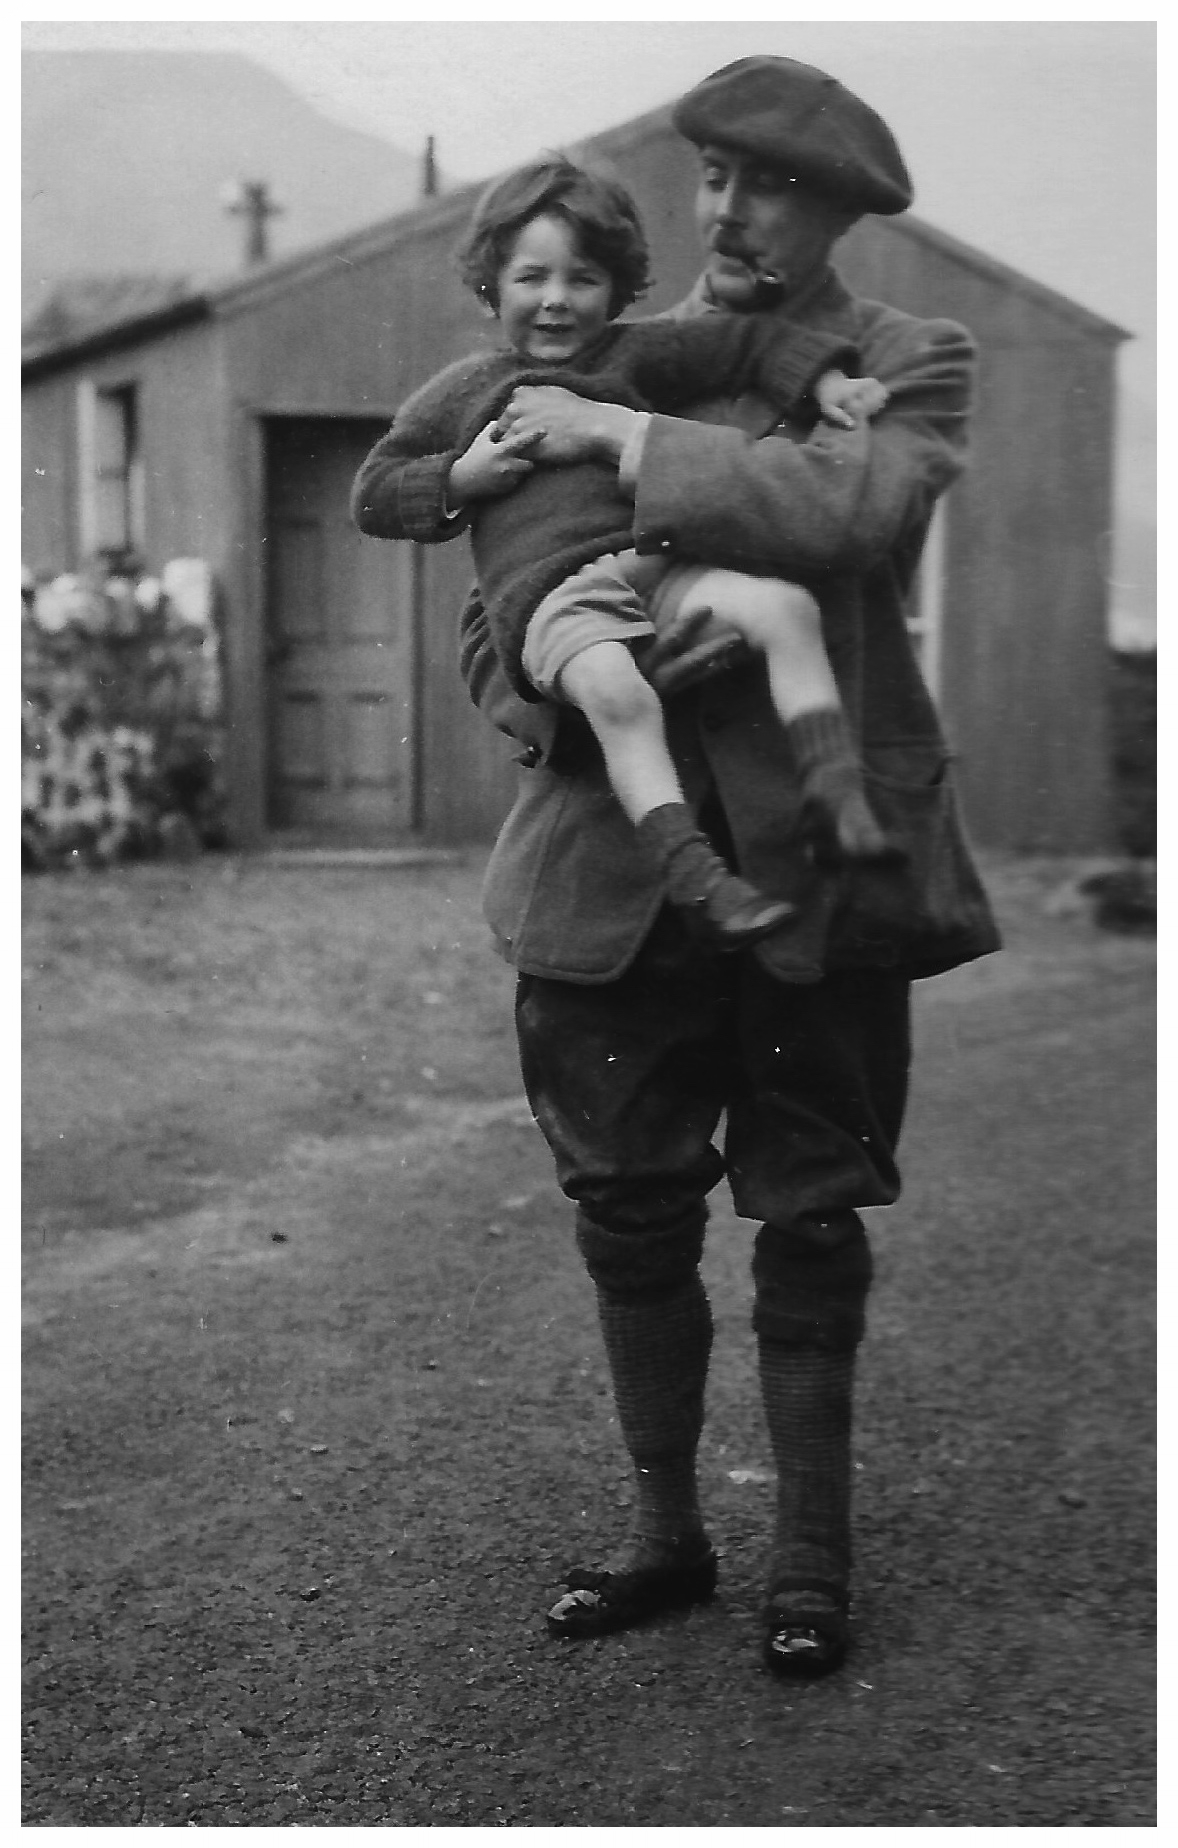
(121,715)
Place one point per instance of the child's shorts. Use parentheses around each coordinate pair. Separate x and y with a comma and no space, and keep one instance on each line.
(621,597)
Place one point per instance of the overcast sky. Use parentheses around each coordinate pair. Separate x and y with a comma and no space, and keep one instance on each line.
(1034,140)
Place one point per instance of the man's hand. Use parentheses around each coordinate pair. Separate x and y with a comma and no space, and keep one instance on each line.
(849,402)
(564,427)
(691,646)
(493,465)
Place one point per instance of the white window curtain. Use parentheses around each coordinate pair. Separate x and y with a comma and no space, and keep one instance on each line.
(926,616)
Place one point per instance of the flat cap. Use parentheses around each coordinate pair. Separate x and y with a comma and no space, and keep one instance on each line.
(798,118)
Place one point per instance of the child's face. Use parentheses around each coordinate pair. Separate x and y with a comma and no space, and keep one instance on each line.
(552,300)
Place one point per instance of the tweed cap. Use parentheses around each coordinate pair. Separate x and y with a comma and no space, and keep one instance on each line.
(795,117)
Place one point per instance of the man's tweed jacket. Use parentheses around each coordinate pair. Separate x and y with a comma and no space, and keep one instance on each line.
(568,892)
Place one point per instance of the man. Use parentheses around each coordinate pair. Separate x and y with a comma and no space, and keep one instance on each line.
(633,1042)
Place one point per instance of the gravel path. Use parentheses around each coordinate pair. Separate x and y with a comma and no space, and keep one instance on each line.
(316,1416)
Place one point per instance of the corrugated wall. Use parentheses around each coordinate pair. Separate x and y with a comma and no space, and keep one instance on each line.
(49,475)
(1025,653)
(181,430)
(1024,650)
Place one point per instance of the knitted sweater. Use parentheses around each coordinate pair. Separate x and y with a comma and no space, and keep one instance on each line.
(527,542)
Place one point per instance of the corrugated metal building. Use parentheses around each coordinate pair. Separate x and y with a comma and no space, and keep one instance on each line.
(227,424)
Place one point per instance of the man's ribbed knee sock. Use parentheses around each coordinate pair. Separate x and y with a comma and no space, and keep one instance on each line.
(807,1397)
(658,1348)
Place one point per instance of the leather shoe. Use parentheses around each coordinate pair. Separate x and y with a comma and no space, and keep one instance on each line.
(599,1602)
(806,1628)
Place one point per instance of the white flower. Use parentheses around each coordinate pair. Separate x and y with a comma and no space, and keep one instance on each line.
(148,593)
(71,599)
(188,586)
(53,604)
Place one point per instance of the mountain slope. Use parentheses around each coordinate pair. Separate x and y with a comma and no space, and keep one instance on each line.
(126,155)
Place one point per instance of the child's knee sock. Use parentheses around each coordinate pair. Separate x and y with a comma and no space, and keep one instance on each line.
(836,806)
(725,909)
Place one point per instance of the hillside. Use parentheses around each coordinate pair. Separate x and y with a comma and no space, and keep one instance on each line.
(126,154)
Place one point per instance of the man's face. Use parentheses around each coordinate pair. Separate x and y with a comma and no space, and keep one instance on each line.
(755,221)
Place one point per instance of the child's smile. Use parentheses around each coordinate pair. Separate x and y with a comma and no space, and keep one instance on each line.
(553,301)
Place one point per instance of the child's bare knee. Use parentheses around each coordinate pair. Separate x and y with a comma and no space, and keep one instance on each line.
(764,609)
(781,606)
(605,683)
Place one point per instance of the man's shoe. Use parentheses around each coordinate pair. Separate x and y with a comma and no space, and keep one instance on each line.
(806,1628)
(598,1602)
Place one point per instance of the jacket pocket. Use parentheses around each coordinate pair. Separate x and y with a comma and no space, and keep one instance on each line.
(928,909)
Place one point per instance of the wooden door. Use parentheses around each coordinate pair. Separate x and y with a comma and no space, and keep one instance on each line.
(338,642)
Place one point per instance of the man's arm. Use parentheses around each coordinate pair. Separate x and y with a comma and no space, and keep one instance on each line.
(676,363)
(836,502)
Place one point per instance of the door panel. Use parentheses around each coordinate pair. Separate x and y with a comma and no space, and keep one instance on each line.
(338,642)
(296,561)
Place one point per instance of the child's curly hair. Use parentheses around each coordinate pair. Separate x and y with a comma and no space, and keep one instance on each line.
(598,207)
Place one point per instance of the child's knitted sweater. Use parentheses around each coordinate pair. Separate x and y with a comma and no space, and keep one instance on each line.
(528,541)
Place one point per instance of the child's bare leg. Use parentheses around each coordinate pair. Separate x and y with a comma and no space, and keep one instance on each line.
(626,717)
(782,622)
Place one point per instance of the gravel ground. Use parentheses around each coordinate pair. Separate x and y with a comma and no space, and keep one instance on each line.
(316,1416)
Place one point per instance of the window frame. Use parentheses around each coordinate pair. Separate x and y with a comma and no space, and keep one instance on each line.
(103,410)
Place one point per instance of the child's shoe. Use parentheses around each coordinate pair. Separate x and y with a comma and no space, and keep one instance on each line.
(733,913)
(836,818)
(722,910)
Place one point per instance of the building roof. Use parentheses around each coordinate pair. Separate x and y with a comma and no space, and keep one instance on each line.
(78,311)
(99,312)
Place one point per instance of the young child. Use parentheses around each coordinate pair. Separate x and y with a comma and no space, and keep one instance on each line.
(556,252)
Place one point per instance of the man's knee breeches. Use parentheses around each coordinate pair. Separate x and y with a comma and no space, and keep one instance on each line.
(629,1080)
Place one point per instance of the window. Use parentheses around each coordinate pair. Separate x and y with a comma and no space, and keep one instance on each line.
(927,605)
(111,469)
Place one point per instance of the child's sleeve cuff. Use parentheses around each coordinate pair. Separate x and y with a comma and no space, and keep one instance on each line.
(421,498)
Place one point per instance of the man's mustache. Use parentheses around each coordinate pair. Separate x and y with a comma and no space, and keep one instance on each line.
(732,247)
(729,246)
(767,280)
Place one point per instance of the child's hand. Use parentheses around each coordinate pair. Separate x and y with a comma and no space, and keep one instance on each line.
(849,402)
(493,465)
